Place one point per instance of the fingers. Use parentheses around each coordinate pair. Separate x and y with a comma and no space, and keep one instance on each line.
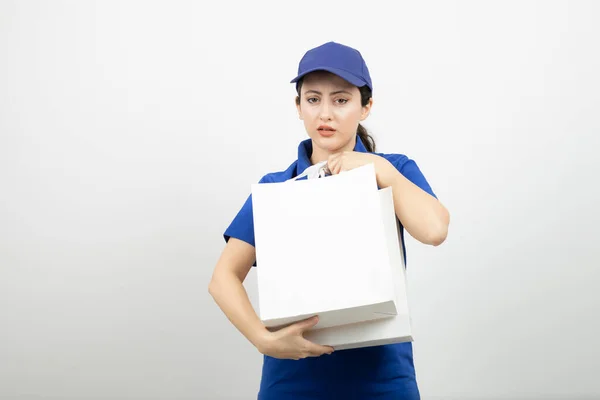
(333,164)
(316,350)
(299,347)
(311,349)
(306,324)
(298,328)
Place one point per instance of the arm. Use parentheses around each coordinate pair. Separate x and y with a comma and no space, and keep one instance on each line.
(421,214)
(226,287)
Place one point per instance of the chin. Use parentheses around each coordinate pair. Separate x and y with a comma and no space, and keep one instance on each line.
(330,144)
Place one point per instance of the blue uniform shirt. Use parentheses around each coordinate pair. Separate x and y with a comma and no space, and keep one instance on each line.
(379,372)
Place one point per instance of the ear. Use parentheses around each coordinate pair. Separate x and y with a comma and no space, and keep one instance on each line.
(366,110)
(297,103)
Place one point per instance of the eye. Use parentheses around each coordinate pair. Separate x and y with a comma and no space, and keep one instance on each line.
(311,100)
(342,101)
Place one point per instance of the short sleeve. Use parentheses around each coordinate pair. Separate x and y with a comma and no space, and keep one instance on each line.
(411,171)
(242,226)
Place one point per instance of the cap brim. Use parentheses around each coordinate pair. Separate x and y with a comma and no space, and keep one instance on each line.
(347,76)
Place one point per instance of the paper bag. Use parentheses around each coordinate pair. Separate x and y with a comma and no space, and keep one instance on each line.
(321,250)
(384,331)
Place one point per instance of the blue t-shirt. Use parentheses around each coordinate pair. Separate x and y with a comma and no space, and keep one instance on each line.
(380,372)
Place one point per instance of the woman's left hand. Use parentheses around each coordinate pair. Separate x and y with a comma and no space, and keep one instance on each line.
(348,160)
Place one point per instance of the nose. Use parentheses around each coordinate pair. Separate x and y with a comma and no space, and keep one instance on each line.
(325,113)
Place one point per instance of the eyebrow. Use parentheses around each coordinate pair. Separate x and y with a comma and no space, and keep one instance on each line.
(332,93)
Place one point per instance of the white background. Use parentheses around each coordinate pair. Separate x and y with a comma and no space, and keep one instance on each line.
(130,133)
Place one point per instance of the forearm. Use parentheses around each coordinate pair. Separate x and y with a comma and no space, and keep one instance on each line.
(231,296)
(421,214)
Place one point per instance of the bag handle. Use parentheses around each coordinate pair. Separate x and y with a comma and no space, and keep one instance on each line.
(319,170)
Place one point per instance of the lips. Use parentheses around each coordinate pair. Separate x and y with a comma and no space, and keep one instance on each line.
(325,128)
(326,131)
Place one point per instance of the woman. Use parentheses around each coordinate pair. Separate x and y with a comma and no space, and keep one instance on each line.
(334,95)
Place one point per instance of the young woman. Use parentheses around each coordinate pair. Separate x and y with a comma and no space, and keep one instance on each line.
(334,95)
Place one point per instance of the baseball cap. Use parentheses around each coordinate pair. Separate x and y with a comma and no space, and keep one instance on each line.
(339,59)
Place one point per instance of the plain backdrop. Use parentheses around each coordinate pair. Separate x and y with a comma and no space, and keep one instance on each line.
(130,133)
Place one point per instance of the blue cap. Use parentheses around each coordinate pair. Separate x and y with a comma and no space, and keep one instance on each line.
(341,60)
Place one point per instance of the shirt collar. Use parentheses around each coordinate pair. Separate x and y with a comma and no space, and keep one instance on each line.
(305,151)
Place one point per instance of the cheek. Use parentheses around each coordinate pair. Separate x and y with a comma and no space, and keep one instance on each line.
(349,117)
(305,113)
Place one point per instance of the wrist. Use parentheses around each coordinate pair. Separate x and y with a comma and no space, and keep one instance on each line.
(262,340)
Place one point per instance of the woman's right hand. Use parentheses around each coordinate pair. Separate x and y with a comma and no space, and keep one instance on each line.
(289,342)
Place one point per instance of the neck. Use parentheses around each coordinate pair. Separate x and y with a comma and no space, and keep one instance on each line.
(319,154)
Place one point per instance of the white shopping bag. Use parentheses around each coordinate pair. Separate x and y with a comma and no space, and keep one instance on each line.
(321,249)
(383,331)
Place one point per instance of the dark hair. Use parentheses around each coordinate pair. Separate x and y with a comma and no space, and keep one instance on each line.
(361,131)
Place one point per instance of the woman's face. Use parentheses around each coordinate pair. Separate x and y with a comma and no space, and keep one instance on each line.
(331,110)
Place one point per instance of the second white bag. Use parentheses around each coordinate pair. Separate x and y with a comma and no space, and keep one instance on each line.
(392,330)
